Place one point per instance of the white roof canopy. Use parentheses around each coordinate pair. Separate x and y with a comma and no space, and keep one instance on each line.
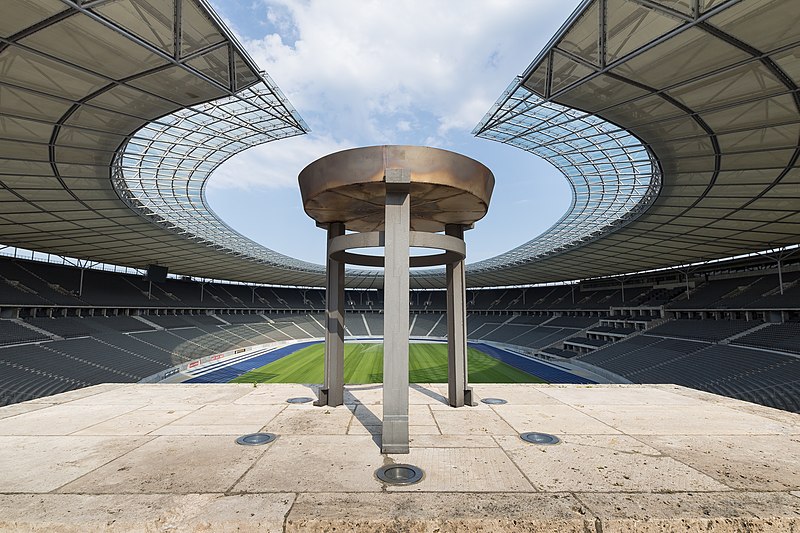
(677,123)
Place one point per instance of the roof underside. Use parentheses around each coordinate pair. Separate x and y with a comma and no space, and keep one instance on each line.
(676,122)
(80,83)
(710,88)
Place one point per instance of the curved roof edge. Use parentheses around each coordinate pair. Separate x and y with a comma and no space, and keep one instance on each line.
(162,170)
(614,176)
(710,90)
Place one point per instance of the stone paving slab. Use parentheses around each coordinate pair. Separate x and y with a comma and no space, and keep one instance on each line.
(270,395)
(48,462)
(438,512)
(753,462)
(178,513)
(470,421)
(604,463)
(170,464)
(78,394)
(311,421)
(516,394)
(190,395)
(692,419)
(766,512)
(315,463)
(219,419)
(62,419)
(164,458)
(556,419)
(418,415)
(604,395)
(456,469)
(452,441)
(20,408)
(138,422)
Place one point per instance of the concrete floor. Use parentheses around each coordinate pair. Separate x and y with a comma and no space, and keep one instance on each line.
(163,458)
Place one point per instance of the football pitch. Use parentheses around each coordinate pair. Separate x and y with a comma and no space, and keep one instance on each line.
(363,363)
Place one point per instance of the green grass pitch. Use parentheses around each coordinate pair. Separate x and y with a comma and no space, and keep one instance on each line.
(363,363)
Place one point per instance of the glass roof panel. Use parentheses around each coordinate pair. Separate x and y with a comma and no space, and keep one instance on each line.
(775,110)
(214,64)
(752,139)
(131,101)
(245,77)
(789,62)
(20,14)
(599,93)
(19,102)
(68,136)
(94,46)
(582,38)
(177,85)
(537,81)
(630,26)
(151,20)
(198,31)
(22,129)
(164,167)
(600,173)
(566,71)
(707,5)
(748,81)
(765,25)
(684,6)
(34,71)
(98,119)
(685,56)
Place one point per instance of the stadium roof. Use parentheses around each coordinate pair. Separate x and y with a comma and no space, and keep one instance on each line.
(709,87)
(113,114)
(675,121)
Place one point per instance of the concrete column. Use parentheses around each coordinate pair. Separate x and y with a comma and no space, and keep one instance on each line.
(332,392)
(395,322)
(458,391)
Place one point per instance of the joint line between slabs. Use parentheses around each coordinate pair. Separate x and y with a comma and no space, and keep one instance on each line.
(513,462)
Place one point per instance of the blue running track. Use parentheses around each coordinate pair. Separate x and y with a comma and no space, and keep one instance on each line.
(225,374)
(531,366)
(542,370)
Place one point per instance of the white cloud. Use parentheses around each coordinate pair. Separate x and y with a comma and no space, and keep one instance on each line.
(365,72)
(273,165)
(355,67)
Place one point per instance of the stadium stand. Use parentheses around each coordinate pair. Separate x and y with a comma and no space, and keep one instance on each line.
(242,319)
(784,337)
(375,323)
(769,378)
(722,340)
(707,330)
(422,324)
(354,322)
(572,322)
(14,333)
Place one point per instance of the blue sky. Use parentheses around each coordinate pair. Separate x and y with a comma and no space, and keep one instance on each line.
(389,72)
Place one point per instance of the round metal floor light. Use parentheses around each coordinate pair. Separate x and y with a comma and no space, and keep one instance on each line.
(256,439)
(493,401)
(300,399)
(399,474)
(543,439)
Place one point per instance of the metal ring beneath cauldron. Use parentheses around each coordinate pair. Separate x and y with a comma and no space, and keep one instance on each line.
(454,248)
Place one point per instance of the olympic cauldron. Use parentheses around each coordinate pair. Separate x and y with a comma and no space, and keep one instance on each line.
(396,197)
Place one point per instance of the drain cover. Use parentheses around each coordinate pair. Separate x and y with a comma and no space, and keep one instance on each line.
(256,439)
(301,399)
(493,401)
(545,439)
(399,474)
